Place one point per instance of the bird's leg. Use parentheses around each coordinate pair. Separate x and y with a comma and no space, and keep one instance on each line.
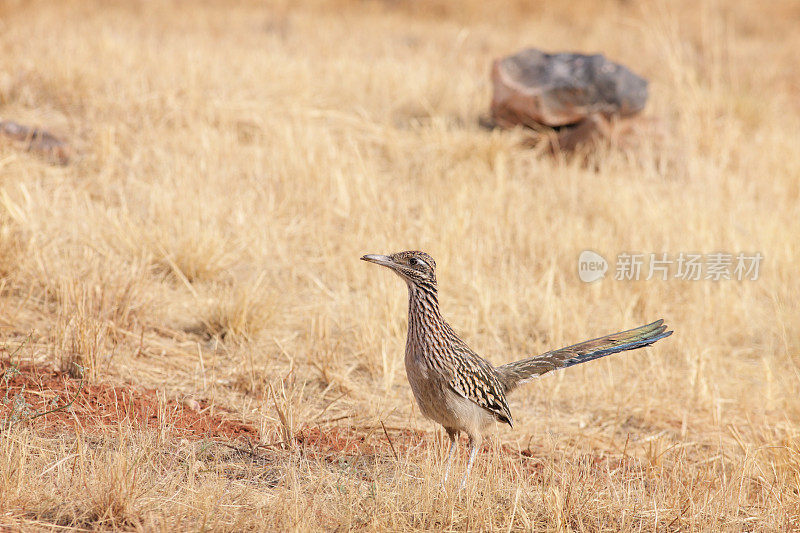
(474,444)
(453,435)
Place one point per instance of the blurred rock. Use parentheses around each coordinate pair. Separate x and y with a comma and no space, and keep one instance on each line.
(533,88)
(38,141)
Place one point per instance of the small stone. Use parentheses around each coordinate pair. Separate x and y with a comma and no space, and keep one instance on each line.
(37,141)
(191,404)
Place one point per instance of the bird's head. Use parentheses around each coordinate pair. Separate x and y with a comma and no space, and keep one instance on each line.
(416,268)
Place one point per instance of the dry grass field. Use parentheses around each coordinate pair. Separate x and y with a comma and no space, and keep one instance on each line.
(243,370)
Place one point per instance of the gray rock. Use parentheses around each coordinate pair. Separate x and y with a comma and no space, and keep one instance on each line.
(535,88)
(37,141)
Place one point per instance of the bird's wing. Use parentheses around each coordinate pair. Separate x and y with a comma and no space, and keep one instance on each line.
(474,378)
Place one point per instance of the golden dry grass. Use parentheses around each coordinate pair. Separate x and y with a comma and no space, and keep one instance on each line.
(235,160)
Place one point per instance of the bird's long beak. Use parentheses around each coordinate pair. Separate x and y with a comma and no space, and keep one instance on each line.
(384,260)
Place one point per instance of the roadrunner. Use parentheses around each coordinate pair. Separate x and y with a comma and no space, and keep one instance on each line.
(456,387)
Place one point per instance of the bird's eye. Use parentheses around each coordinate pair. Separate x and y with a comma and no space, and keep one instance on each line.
(413,261)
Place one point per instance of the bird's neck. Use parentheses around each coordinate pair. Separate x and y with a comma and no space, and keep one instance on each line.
(423,309)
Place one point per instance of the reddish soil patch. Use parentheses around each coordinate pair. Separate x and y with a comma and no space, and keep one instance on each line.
(27,390)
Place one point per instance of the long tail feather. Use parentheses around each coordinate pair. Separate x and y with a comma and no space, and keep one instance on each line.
(518,372)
